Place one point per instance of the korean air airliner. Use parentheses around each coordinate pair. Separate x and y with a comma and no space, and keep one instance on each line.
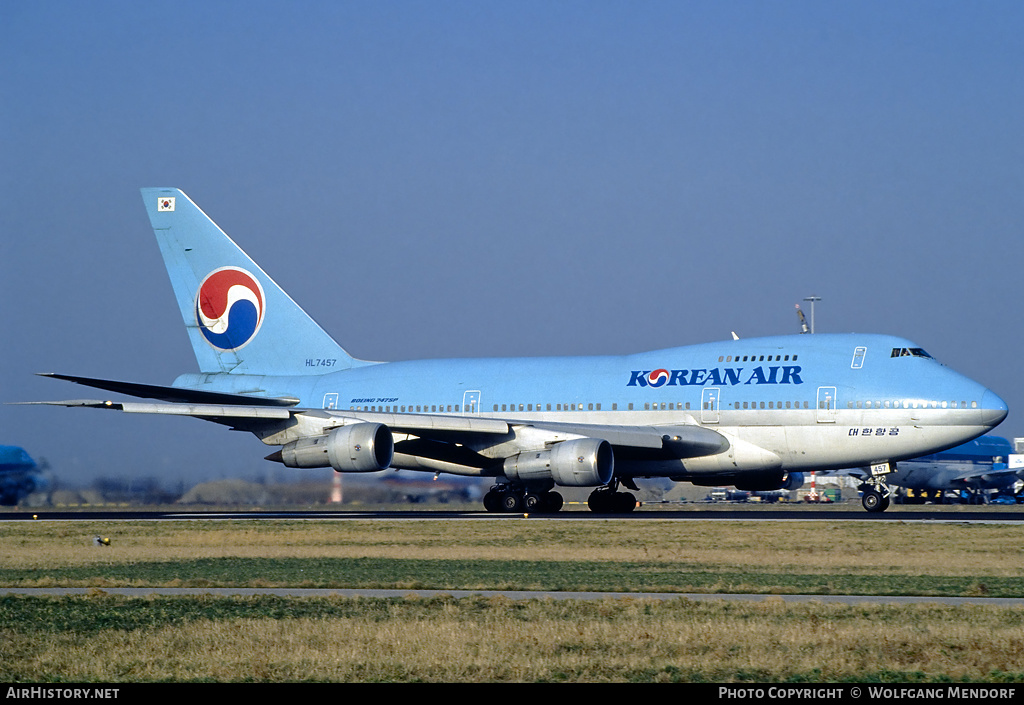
(754,413)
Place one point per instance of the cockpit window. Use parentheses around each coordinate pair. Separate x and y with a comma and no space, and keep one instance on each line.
(910,352)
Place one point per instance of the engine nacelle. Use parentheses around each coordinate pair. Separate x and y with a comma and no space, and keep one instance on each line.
(585,462)
(761,480)
(361,447)
(793,481)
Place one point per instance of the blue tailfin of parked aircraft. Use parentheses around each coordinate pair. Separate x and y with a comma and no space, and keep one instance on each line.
(971,470)
(754,413)
(20,476)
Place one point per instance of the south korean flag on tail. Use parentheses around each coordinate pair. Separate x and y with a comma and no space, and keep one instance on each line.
(165,204)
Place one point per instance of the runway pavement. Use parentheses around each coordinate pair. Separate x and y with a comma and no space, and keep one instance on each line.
(1011,514)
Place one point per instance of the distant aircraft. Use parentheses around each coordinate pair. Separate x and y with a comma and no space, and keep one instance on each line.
(751,413)
(20,476)
(973,467)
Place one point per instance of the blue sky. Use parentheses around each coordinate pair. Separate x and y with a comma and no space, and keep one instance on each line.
(458,179)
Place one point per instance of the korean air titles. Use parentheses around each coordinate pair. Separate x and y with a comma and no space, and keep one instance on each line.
(716,376)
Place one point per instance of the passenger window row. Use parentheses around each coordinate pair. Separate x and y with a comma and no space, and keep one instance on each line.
(772,405)
(909,404)
(755,358)
(669,406)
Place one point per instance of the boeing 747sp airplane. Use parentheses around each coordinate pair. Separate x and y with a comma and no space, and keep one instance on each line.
(751,413)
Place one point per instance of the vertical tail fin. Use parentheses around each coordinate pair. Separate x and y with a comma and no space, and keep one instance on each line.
(238,320)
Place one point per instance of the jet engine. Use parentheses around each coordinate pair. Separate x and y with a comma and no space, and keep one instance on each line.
(792,481)
(761,480)
(361,447)
(585,462)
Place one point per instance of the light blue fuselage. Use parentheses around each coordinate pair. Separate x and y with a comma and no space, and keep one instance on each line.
(815,402)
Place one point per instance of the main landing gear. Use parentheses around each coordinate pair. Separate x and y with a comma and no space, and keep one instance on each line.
(506,498)
(516,498)
(605,501)
(608,500)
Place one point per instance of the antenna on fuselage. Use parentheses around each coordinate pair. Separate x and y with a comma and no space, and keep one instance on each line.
(812,299)
(803,320)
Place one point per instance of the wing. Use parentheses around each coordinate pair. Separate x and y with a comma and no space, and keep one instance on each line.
(468,445)
(984,478)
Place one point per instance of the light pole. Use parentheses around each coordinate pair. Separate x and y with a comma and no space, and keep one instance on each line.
(812,299)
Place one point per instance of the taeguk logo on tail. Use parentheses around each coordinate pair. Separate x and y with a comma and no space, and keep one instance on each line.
(230,307)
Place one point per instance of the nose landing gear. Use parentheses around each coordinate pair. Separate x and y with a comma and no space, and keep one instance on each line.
(876,494)
(873,499)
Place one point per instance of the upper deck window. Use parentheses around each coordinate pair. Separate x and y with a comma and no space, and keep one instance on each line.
(909,352)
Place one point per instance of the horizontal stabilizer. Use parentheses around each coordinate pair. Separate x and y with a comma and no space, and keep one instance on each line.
(174,394)
(204,411)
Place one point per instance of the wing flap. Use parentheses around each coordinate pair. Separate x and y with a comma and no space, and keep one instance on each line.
(682,441)
(424,425)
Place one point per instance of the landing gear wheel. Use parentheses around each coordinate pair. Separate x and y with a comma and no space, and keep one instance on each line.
(492,501)
(624,503)
(511,502)
(873,501)
(605,501)
(553,502)
(533,502)
(600,501)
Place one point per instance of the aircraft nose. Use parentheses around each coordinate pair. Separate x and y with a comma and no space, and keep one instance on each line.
(993,409)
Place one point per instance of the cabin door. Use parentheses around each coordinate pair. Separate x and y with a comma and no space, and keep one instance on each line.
(826,404)
(471,402)
(709,404)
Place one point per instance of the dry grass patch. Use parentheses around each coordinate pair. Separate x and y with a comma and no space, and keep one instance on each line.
(489,640)
(845,547)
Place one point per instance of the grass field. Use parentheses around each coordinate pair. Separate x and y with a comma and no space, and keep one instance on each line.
(108,638)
